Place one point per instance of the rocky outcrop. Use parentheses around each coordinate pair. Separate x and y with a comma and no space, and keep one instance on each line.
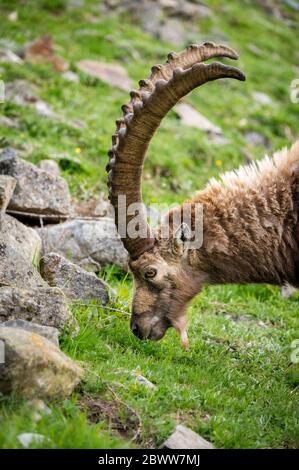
(34,367)
(75,282)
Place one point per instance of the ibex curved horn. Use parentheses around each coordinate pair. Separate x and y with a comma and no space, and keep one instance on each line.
(166,85)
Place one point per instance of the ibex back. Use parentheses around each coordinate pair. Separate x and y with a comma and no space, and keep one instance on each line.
(250,217)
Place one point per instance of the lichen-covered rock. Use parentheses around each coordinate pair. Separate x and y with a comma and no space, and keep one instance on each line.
(50,166)
(36,191)
(20,248)
(49,332)
(74,281)
(89,243)
(34,367)
(7,186)
(43,305)
(185,438)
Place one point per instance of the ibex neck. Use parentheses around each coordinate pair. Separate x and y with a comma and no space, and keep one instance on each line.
(251,229)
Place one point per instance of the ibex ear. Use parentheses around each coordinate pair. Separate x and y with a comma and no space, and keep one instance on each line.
(181,239)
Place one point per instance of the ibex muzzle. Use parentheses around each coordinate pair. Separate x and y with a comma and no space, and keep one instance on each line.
(250,222)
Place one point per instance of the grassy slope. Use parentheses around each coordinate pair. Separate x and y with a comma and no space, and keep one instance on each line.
(237,386)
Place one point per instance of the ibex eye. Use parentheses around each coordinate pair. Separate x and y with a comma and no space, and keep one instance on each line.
(150,273)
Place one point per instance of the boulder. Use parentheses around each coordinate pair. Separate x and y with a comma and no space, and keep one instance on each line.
(191,117)
(50,166)
(52,334)
(74,281)
(35,367)
(20,248)
(7,186)
(37,191)
(185,438)
(43,305)
(89,243)
(113,74)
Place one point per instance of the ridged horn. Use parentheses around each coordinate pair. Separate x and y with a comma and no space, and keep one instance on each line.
(166,85)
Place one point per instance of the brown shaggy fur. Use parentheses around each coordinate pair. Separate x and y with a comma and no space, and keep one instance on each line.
(250,235)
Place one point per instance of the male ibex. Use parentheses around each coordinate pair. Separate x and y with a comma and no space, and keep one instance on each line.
(250,217)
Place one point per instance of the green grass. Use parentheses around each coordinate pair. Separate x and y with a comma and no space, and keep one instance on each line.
(237,386)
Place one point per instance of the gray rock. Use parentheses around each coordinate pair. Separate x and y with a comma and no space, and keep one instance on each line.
(191,117)
(7,186)
(71,76)
(185,438)
(262,98)
(10,57)
(113,74)
(287,291)
(34,367)
(25,240)
(173,31)
(74,281)
(89,243)
(256,139)
(19,251)
(50,166)
(16,270)
(37,191)
(21,92)
(52,334)
(43,305)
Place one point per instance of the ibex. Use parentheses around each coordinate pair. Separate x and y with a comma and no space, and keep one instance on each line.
(250,216)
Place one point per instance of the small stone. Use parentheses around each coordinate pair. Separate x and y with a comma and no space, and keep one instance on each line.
(89,243)
(191,117)
(37,191)
(113,74)
(43,305)
(185,438)
(28,438)
(7,186)
(20,248)
(34,367)
(75,282)
(9,122)
(39,409)
(49,166)
(41,50)
(13,16)
(52,334)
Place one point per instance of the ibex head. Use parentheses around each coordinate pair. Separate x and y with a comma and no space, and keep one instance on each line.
(164,277)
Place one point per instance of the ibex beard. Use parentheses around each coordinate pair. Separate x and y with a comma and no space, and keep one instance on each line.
(250,217)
